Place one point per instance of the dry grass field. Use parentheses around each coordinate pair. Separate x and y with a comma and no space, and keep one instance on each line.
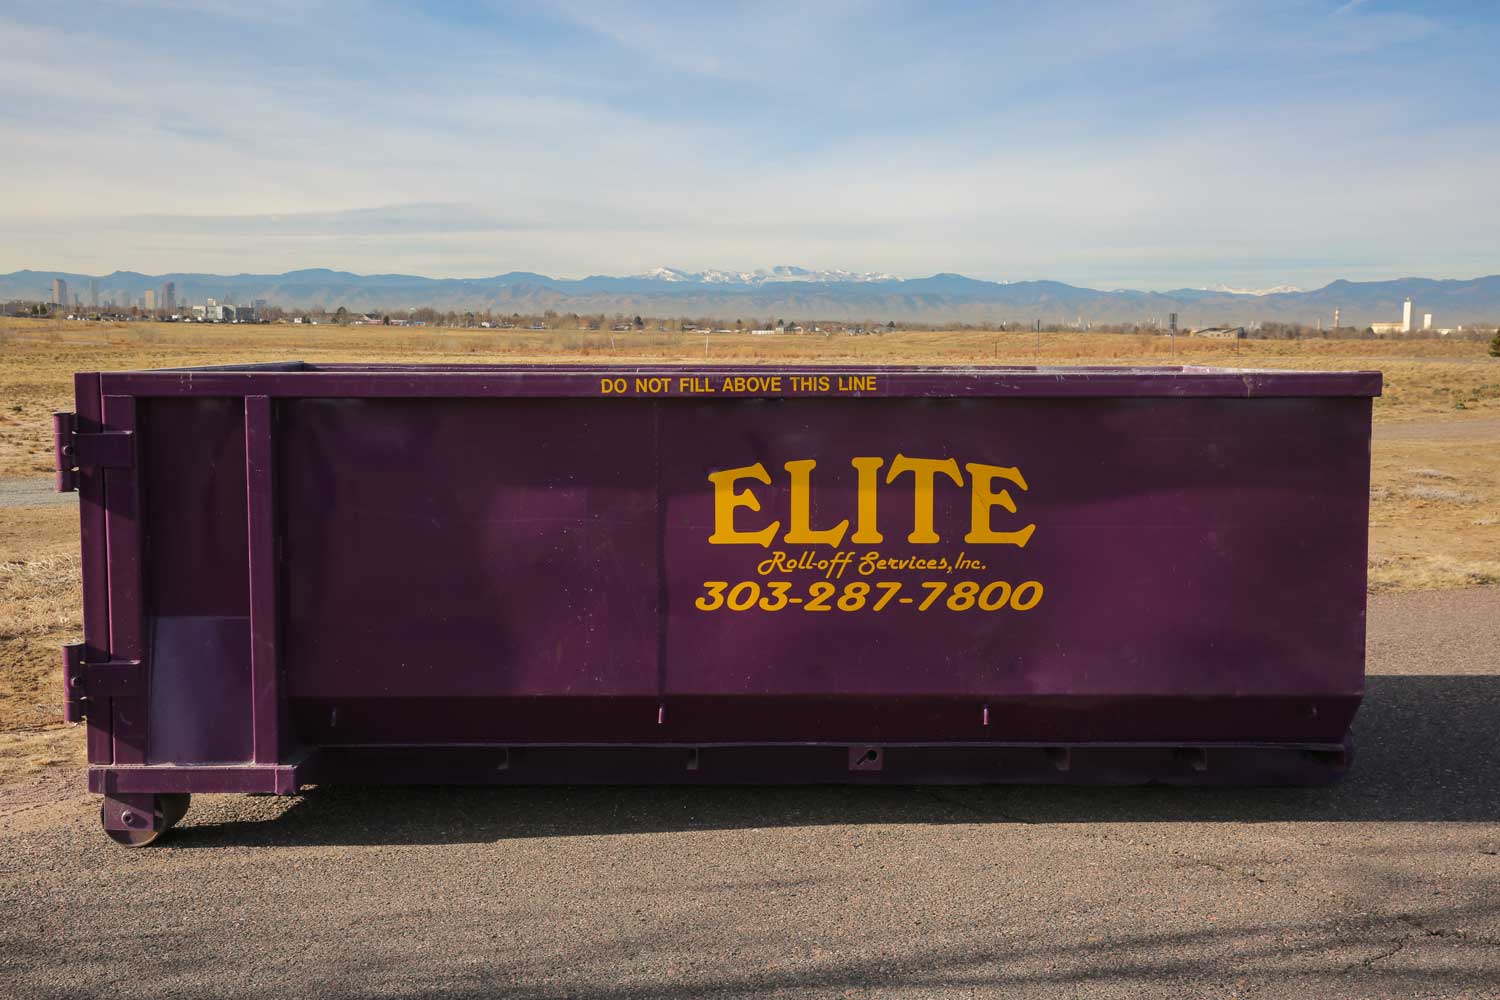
(1435,499)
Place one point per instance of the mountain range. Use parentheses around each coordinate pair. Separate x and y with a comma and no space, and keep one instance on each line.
(801,294)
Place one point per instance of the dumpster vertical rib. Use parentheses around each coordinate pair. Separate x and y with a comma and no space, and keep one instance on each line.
(95,559)
(127,612)
(265,687)
(661,564)
(1366,424)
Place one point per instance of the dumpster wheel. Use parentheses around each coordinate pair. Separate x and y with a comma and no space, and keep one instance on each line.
(167,811)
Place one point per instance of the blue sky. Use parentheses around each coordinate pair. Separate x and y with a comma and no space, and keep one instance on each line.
(1113,144)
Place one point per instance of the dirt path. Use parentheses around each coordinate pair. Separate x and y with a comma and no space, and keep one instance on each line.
(16,491)
(1445,429)
(1387,884)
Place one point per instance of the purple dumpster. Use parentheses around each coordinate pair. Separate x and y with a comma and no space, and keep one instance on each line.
(303,573)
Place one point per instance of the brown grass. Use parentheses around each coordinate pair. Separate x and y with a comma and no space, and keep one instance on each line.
(1423,378)
(34,595)
(1434,498)
(39,607)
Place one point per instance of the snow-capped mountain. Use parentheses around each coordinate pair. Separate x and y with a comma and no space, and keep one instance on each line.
(1274,290)
(800,294)
(761,276)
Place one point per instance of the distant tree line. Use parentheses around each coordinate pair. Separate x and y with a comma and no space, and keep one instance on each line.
(624,323)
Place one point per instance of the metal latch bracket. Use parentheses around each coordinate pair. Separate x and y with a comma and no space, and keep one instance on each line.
(83,680)
(73,451)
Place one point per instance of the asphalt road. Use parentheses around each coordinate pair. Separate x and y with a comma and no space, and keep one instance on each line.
(1385,885)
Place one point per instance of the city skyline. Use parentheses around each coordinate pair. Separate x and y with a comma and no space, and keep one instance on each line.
(1125,144)
(1445,306)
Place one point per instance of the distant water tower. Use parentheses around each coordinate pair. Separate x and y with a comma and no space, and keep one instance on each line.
(1406,316)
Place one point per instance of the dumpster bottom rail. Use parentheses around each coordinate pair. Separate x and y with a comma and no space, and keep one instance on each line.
(760,764)
(247,779)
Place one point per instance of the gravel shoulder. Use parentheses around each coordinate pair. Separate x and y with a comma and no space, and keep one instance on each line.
(1439,430)
(28,491)
(1386,884)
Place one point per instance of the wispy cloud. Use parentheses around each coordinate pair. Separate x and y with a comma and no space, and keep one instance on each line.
(1129,140)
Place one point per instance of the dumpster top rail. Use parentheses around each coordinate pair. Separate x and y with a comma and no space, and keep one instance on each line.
(667,379)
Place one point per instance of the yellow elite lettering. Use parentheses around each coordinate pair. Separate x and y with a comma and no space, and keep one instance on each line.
(801,531)
(985,498)
(726,501)
(923,470)
(867,533)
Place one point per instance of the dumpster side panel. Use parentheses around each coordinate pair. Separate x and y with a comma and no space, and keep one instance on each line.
(1202,565)
(197,591)
(469,549)
(471,570)
(1191,548)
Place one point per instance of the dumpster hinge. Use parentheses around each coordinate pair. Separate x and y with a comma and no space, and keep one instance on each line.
(83,680)
(72,450)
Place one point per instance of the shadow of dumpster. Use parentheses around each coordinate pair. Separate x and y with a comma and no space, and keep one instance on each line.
(1427,750)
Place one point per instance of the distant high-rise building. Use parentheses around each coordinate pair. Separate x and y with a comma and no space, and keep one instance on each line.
(1427,321)
(1335,319)
(169,296)
(93,294)
(150,300)
(59,292)
(1406,316)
